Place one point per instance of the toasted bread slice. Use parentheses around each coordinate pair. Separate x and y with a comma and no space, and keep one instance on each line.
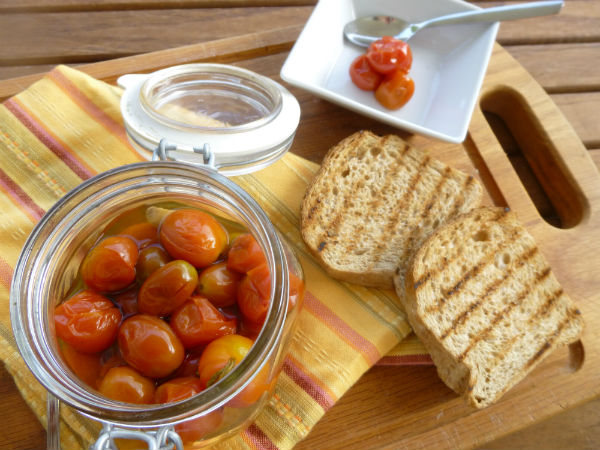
(484,302)
(374,201)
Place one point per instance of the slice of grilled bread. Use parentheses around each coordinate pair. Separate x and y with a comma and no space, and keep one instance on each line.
(484,302)
(373,202)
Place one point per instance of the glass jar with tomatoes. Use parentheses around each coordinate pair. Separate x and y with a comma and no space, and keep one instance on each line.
(157,295)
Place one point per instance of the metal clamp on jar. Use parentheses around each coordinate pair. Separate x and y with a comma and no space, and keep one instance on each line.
(213,120)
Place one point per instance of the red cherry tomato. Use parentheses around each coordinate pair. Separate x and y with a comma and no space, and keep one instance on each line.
(126,385)
(245,254)
(254,294)
(167,288)
(150,346)
(198,322)
(388,55)
(363,75)
(395,90)
(88,321)
(194,236)
(179,389)
(151,258)
(128,302)
(143,234)
(110,265)
(85,366)
(219,284)
(221,356)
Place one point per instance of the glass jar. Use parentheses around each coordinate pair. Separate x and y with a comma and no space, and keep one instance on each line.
(49,264)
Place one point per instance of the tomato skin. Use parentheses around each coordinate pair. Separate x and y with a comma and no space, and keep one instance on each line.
(144,234)
(219,284)
(126,385)
(245,254)
(150,346)
(127,301)
(151,258)
(363,75)
(395,90)
(88,321)
(179,389)
(110,265)
(194,236)
(197,322)
(388,55)
(85,366)
(167,288)
(254,294)
(221,356)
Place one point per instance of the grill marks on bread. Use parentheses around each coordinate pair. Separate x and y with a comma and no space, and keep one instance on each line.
(485,303)
(374,201)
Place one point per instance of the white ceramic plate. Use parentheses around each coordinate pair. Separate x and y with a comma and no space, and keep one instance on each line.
(449,64)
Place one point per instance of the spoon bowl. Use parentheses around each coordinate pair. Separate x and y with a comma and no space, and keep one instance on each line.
(364,30)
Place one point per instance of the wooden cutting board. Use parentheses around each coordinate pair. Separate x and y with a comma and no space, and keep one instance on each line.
(529,158)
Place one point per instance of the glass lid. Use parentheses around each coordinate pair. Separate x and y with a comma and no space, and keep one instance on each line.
(248,120)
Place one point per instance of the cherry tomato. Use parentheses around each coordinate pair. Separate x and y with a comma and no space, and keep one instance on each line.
(88,321)
(127,301)
(395,90)
(151,258)
(189,366)
(363,75)
(198,322)
(143,234)
(111,358)
(179,389)
(126,385)
(85,366)
(194,236)
(245,254)
(167,288)
(221,356)
(110,265)
(388,55)
(254,294)
(150,346)
(219,284)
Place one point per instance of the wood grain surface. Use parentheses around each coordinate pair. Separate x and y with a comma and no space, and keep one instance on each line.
(390,407)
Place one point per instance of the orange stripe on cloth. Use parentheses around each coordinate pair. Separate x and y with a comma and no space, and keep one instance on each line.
(257,439)
(20,198)
(311,385)
(112,126)
(6,273)
(52,142)
(341,328)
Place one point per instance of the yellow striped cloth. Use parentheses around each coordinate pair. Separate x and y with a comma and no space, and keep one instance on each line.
(66,128)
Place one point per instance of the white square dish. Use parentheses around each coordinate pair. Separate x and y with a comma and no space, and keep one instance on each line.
(449,64)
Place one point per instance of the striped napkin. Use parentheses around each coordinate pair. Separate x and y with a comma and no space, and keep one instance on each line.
(66,128)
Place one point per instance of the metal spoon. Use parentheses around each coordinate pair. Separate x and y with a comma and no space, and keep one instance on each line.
(365,30)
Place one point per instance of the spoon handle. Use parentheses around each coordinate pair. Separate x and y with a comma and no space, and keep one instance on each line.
(498,13)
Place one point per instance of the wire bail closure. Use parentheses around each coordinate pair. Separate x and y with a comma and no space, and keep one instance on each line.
(166,152)
(165,438)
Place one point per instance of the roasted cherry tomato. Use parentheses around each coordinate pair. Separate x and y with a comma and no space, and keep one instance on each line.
(221,356)
(143,234)
(194,236)
(197,322)
(254,294)
(151,258)
(219,284)
(85,366)
(110,265)
(395,90)
(150,346)
(388,55)
(245,254)
(126,385)
(88,321)
(167,288)
(179,389)
(128,302)
(363,75)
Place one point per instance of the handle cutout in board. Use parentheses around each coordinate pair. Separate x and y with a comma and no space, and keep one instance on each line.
(534,157)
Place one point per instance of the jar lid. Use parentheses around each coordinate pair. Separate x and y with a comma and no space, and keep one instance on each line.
(248,120)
